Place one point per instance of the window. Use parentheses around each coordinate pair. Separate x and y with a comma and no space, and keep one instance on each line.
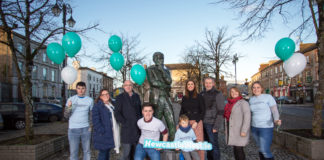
(307,58)
(34,90)
(53,91)
(280,68)
(34,73)
(276,71)
(53,75)
(49,91)
(44,73)
(20,47)
(44,57)
(45,91)
(20,65)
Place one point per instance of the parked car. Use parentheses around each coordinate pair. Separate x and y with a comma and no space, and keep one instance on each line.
(47,112)
(14,113)
(1,122)
(286,100)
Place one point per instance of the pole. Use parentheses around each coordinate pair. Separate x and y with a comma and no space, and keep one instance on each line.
(64,64)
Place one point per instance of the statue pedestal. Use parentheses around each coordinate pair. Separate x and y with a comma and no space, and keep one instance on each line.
(169,155)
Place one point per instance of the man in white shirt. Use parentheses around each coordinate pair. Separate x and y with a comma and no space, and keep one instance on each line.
(78,112)
(151,128)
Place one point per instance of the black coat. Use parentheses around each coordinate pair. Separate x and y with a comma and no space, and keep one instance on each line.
(194,108)
(128,111)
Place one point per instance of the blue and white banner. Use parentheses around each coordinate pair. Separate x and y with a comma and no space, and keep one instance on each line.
(183,145)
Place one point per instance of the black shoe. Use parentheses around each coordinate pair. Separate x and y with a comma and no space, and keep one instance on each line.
(261,156)
(269,158)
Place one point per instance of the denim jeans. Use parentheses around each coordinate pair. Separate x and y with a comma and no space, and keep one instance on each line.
(127,151)
(103,154)
(212,138)
(75,135)
(263,139)
(141,152)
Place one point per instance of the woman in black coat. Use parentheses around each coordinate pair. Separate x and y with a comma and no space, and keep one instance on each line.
(103,123)
(193,106)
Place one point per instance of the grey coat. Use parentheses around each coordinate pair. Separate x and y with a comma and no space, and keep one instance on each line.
(239,121)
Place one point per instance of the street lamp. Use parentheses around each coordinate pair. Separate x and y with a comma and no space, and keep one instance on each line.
(235,59)
(56,10)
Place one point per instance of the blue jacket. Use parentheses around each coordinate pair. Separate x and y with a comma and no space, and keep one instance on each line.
(102,124)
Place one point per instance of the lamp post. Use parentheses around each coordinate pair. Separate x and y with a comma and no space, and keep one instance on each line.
(235,59)
(56,10)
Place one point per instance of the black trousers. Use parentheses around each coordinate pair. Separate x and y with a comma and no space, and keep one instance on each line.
(239,153)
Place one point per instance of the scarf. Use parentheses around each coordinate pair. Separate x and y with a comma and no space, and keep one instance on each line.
(229,106)
(115,128)
(185,130)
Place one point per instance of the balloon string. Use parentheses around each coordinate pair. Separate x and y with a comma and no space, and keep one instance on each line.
(280,103)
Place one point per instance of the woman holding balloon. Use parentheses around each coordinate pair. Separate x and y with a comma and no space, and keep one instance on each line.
(264,113)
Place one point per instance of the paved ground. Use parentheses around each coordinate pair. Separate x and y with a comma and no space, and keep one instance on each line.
(289,121)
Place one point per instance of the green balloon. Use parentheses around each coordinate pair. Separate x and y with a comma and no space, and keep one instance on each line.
(55,53)
(71,43)
(138,74)
(116,61)
(285,48)
(115,43)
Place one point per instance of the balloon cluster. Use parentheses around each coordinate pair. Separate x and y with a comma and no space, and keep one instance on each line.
(116,60)
(294,63)
(71,45)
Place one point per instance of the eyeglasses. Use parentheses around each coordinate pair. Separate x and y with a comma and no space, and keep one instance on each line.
(105,94)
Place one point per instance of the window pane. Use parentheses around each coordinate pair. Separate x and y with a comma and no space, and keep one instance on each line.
(53,75)
(44,57)
(44,73)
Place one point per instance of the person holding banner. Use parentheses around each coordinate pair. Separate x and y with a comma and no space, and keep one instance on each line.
(186,133)
(264,113)
(192,105)
(237,116)
(151,128)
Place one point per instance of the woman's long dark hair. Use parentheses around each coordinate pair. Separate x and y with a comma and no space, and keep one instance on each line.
(194,95)
(100,92)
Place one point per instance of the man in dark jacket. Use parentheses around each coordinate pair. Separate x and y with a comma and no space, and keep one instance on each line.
(214,109)
(128,111)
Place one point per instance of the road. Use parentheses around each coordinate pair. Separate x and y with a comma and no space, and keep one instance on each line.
(297,117)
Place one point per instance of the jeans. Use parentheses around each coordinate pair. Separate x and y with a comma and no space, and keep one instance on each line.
(75,135)
(263,139)
(212,138)
(103,154)
(141,152)
(127,151)
(188,155)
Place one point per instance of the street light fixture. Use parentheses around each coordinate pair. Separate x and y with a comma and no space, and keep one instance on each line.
(235,59)
(56,10)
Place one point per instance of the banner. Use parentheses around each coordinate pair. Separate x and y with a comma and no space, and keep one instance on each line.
(187,145)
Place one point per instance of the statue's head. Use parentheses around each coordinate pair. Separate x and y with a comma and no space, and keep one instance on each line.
(158,58)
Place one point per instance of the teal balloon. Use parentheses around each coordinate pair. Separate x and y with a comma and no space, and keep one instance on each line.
(285,48)
(55,53)
(71,43)
(115,43)
(116,61)
(138,74)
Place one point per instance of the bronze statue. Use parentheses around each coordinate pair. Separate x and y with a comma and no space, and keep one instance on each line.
(160,81)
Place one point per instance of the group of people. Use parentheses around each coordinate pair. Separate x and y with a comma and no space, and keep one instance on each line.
(126,123)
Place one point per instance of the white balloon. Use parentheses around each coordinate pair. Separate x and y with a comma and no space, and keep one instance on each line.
(69,74)
(295,64)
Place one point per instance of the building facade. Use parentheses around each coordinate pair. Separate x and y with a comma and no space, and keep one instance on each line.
(46,80)
(302,87)
(94,80)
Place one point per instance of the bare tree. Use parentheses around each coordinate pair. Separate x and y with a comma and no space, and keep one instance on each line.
(258,17)
(194,56)
(130,53)
(217,49)
(33,20)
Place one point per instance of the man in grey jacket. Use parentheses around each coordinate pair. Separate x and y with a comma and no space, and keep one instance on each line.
(213,119)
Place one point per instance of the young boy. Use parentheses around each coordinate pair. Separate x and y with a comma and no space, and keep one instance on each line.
(185,133)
